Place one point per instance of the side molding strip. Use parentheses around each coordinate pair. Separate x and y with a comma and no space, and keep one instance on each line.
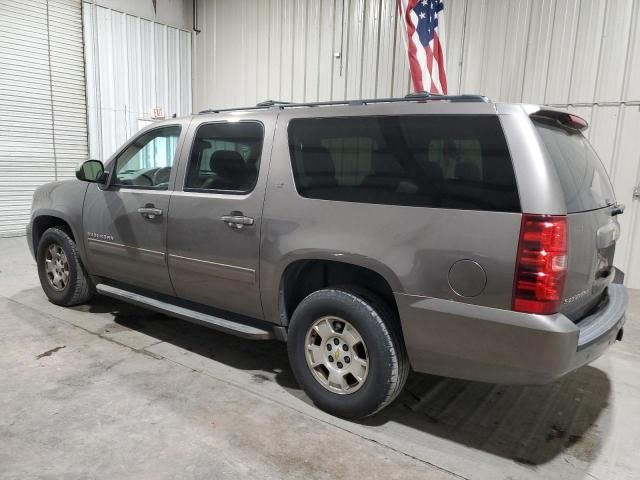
(103,244)
(206,267)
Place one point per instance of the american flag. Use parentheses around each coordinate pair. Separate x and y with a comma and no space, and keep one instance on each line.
(426,60)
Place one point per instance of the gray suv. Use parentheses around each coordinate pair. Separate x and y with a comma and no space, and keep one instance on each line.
(450,235)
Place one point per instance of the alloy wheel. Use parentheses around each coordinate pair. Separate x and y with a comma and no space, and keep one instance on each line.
(56,267)
(337,355)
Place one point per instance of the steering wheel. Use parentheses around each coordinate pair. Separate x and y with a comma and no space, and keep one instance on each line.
(161,176)
(147,178)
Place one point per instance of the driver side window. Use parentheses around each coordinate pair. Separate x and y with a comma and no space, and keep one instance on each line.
(147,162)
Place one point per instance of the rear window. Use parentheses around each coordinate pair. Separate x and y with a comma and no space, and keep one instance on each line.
(225,157)
(584,180)
(427,161)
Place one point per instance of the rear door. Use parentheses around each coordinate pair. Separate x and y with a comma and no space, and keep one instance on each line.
(593,230)
(215,215)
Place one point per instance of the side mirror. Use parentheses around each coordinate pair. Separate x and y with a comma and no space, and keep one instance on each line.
(92,171)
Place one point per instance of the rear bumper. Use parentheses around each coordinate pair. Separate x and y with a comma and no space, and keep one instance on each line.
(500,346)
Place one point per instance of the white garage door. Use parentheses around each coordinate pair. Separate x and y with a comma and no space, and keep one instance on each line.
(43,132)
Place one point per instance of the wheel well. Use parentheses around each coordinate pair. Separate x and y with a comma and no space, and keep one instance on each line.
(306,276)
(42,223)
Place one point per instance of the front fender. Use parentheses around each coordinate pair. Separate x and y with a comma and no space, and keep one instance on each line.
(63,200)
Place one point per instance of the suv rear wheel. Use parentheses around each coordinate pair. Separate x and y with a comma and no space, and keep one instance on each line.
(346,351)
(62,275)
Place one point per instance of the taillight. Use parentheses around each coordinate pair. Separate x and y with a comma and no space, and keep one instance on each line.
(541,264)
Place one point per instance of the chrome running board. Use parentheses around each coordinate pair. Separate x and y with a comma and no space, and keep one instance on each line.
(239,329)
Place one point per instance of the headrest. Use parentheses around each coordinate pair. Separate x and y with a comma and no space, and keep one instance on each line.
(319,169)
(199,145)
(227,163)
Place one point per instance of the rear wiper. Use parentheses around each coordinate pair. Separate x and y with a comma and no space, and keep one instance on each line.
(618,209)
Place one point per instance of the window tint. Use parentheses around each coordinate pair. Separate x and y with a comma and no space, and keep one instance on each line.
(584,180)
(147,162)
(225,157)
(429,161)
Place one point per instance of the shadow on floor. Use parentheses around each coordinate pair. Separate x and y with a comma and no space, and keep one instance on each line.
(530,425)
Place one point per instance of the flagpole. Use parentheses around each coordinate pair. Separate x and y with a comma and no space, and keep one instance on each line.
(464,34)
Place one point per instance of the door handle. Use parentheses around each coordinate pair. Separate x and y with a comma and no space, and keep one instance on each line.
(237,220)
(618,209)
(150,212)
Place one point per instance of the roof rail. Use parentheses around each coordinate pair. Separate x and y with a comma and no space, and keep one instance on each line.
(451,98)
(412,97)
(422,94)
(271,103)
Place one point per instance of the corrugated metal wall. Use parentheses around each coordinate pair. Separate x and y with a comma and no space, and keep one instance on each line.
(133,66)
(583,55)
(579,54)
(252,50)
(43,129)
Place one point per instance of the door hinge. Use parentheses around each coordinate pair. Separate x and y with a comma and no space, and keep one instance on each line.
(636,192)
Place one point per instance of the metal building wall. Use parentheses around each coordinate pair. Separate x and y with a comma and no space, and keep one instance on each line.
(43,132)
(133,65)
(252,50)
(583,55)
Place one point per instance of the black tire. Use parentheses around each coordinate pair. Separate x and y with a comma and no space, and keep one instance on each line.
(79,288)
(379,328)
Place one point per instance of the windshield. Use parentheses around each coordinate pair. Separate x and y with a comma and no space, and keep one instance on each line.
(584,180)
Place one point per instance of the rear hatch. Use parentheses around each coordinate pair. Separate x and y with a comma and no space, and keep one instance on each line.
(591,222)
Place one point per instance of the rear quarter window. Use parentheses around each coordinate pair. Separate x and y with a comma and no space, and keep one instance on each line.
(585,183)
(458,162)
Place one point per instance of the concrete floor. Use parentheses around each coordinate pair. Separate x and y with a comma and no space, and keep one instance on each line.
(112,391)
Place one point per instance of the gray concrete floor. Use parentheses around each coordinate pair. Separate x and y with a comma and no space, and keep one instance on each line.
(108,390)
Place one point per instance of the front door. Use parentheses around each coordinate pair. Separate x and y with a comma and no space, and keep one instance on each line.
(125,225)
(214,222)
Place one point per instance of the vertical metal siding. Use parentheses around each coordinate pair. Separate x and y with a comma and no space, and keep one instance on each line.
(43,132)
(583,55)
(253,50)
(133,65)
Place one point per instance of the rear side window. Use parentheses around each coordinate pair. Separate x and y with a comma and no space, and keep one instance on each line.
(426,161)
(225,157)
(585,183)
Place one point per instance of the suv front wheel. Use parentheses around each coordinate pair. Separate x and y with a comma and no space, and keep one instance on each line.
(346,351)
(62,275)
